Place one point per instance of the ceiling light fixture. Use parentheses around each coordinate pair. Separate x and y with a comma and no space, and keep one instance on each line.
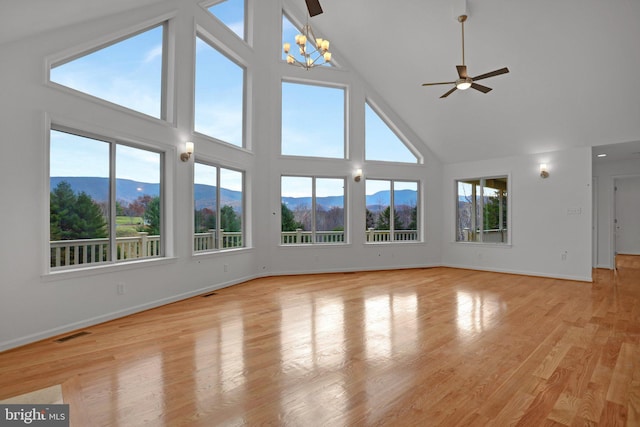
(464,84)
(602,155)
(314,51)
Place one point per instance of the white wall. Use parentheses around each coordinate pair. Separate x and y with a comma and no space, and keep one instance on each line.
(37,304)
(605,173)
(541,227)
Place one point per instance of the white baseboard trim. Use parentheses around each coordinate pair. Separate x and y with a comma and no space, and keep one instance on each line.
(522,272)
(93,321)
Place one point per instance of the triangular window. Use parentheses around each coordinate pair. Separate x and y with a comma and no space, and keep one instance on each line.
(127,72)
(382,143)
(231,13)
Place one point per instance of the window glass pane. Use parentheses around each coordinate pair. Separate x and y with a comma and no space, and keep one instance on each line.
(495,210)
(219,95)
(231,209)
(205,209)
(405,210)
(481,214)
(378,199)
(231,13)
(296,203)
(127,73)
(329,210)
(79,200)
(381,143)
(138,192)
(313,121)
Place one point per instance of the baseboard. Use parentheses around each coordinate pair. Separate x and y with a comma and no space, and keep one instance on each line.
(29,339)
(523,273)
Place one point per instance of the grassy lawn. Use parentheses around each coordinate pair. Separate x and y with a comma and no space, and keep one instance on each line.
(128,225)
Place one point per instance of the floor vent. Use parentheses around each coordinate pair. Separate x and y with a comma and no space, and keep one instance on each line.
(210,294)
(72,336)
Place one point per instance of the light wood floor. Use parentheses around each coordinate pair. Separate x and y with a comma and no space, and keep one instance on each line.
(427,347)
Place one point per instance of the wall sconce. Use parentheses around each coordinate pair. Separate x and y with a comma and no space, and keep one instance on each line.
(188,151)
(544,172)
(357,175)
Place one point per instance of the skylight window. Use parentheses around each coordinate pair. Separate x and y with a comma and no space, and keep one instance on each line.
(127,72)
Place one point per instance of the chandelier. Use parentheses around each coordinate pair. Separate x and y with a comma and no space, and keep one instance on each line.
(310,55)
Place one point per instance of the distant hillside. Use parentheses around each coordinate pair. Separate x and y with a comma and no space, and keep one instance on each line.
(128,191)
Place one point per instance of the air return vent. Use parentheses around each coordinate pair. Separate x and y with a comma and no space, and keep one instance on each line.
(210,294)
(72,336)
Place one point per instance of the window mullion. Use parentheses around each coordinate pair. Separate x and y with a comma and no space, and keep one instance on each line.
(113,249)
(219,230)
(392,212)
(313,209)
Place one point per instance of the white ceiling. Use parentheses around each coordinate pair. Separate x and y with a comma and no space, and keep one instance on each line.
(573,64)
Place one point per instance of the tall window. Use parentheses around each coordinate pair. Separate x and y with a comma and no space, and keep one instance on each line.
(381,142)
(481,210)
(313,120)
(312,210)
(219,207)
(391,211)
(219,95)
(127,73)
(105,201)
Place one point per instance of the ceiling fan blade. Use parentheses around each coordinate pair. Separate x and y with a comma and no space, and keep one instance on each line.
(314,7)
(449,93)
(491,74)
(462,71)
(481,88)
(440,83)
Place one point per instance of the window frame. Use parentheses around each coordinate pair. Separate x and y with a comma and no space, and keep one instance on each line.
(313,208)
(392,230)
(243,236)
(226,51)
(482,180)
(345,117)
(167,81)
(165,240)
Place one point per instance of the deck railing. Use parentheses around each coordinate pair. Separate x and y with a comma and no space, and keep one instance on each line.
(66,253)
(301,237)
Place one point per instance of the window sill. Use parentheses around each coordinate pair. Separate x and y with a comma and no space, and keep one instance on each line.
(106,268)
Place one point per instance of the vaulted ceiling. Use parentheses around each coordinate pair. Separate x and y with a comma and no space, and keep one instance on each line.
(573,64)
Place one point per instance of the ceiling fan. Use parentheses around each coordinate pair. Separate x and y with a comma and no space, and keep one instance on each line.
(464,81)
(314,8)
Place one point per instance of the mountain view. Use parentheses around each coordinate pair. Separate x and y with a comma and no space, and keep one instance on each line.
(128,191)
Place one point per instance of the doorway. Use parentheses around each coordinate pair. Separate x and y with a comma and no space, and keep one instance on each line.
(626,219)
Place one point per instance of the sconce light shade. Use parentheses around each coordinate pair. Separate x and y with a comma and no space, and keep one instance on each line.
(188,151)
(357,175)
(544,172)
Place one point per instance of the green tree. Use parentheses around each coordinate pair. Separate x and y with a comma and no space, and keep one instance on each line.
(152,217)
(492,213)
(289,222)
(384,220)
(229,220)
(74,216)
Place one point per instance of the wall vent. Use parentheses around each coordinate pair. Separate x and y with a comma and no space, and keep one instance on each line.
(210,294)
(72,336)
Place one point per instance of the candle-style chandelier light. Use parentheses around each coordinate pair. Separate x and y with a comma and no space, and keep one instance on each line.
(314,51)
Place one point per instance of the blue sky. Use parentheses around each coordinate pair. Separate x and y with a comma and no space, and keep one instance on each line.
(129,73)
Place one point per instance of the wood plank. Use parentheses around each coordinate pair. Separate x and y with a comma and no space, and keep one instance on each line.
(437,346)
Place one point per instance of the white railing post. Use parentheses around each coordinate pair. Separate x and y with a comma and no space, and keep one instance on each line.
(211,240)
(143,244)
(298,235)
(221,239)
(370,234)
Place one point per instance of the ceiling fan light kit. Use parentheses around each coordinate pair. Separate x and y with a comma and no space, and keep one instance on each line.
(465,82)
